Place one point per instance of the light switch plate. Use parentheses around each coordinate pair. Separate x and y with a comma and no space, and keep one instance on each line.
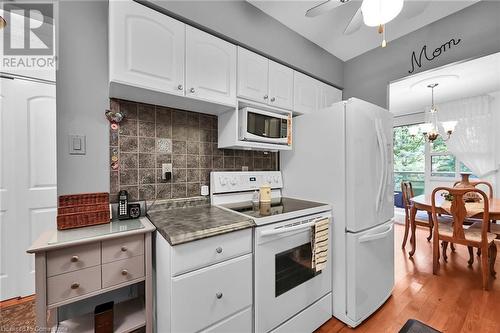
(77,144)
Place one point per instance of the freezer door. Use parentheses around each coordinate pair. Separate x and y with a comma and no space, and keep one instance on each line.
(370,270)
(369,165)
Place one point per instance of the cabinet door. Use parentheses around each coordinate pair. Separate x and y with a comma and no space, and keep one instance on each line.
(252,76)
(306,93)
(210,67)
(146,48)
(280,86)
(329,95)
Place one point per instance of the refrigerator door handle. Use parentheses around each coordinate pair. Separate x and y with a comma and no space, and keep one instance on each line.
(382,159)
(382,234)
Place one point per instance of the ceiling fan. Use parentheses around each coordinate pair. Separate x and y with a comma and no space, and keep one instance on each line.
(374,13)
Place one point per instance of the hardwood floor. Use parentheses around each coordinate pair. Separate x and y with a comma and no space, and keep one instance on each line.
(451,302)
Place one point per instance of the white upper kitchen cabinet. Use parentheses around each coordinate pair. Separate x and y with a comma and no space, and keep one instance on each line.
(252,76)
(210,67)
(306,94)
(329,95)
(146,48)
(280,86)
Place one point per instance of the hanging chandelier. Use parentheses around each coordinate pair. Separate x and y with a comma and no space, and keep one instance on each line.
(430,130)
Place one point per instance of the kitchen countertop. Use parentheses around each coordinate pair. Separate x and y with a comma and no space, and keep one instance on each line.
(182,225)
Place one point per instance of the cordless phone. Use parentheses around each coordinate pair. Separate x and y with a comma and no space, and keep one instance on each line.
(123,205)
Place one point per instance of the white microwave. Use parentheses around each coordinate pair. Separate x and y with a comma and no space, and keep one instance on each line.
(264,126)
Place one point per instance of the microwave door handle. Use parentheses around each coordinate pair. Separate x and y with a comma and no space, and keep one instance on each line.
(290,229)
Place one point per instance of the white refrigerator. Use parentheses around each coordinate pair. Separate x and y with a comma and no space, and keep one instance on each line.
(342,155)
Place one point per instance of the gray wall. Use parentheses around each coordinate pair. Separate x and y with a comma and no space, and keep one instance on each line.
(82,95)
(368,75)
(245,25)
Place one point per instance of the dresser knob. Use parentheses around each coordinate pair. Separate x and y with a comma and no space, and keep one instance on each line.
(180,87)
(218,295)
(74,258)
(124,272)
(218,250)
(266,97)
(273,99)
(75,285)
(192,90)
(124,248)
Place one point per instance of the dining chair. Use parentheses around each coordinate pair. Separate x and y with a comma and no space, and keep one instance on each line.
(454,232)
(480,182)
(422,218)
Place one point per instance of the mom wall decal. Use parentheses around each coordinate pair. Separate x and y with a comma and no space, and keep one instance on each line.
(424,54)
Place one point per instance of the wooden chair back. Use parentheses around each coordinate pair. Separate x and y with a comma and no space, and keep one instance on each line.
(407,191)
(480,182)
(458,211)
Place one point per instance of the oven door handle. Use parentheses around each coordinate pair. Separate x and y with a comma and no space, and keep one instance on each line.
(283,230)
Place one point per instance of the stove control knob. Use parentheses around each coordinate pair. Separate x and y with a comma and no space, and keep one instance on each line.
(276,179)
(268,180)
(223,181)
(234,181)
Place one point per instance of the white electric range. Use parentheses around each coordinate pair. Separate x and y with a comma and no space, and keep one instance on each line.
(289,295)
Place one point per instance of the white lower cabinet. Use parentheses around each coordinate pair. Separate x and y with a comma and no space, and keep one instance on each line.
(206,293)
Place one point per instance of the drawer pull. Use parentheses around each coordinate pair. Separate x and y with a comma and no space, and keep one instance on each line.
(124,248)
(218,295)
(124,272)
(74,258)
(218,250)
(75,285)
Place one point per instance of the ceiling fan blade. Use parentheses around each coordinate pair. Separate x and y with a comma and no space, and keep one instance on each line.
(324,7)
(355,23)
(414,8)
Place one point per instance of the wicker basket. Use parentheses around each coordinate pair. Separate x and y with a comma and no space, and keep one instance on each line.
(81,210)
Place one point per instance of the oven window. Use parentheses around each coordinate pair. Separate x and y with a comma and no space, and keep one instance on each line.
(266,126)
(292,268)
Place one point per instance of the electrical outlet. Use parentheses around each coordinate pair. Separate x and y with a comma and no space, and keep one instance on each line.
(166,169)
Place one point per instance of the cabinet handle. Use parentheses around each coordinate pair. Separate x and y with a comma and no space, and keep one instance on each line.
(74,258)
(218,295)
(180,87)
(124,248)
(75,285)
(124,272)
(266,97)
(273,99)
(218,250)
(192,90)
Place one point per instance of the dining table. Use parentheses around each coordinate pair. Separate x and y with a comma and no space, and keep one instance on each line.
(424,203)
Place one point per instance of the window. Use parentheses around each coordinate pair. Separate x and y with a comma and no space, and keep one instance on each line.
(443,164)
(409,159)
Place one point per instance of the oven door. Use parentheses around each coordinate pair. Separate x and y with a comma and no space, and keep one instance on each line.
(285,284)
(264,126)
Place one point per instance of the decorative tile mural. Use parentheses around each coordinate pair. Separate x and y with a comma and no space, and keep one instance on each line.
(152,135)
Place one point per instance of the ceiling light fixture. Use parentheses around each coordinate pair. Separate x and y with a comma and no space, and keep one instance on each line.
(3,23)
(377,13)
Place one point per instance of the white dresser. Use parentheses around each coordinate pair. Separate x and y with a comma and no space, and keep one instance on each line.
(76,264)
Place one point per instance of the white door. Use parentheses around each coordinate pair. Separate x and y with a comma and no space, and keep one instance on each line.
(252,76)
(306,91)
(329,95)
(146,48)
(210,67)
(28,178)
(280,86)
(368,165)
(370,270)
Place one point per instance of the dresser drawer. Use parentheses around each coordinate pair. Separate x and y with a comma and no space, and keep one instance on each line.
(190,256)
(240,323)
(121,271)
(122,248)
(73,258)
(68,285)
(203,297)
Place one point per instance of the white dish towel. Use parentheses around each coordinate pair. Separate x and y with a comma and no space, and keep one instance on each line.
(319,242)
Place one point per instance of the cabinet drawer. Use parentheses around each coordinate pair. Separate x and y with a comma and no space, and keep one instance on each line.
(240,322)
(203,297)
(121,271)
(64,286)
(73,258)
(190,256)
(122,248)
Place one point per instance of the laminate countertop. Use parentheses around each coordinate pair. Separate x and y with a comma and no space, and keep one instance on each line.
(182,225)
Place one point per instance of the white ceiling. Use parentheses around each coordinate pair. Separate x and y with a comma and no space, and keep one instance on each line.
(465,79)
(327,30)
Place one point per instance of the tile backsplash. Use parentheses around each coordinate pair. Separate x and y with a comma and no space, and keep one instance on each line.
(151,135)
